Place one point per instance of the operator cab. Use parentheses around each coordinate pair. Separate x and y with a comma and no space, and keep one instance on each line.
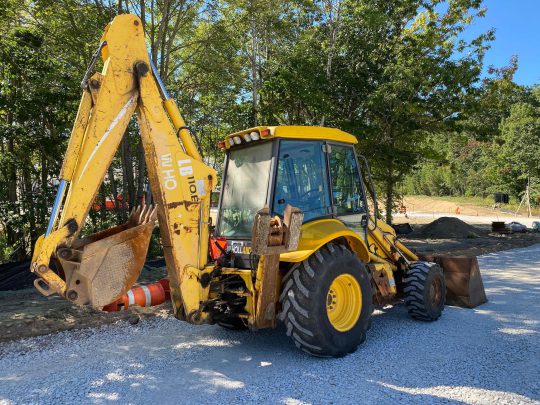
(313,168)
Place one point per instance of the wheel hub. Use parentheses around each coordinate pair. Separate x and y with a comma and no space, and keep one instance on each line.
(344,302)
(435,293)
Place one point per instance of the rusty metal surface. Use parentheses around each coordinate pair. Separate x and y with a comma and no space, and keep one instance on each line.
(102,267)
(381,281)
(268,278)
(270,235)
(270,238)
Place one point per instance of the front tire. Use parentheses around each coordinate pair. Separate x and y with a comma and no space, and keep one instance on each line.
(326,302)
(425,291)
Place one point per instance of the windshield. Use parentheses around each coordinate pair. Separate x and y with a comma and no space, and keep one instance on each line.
(244,190)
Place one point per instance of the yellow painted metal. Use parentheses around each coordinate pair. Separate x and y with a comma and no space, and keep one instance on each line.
(181,187)
(344,302)
(110,115)
(383,241)
(300,133)
(318,233)
(178,122)
(181,183)
(77,136)
(382,244)
(410,255)
(44,249)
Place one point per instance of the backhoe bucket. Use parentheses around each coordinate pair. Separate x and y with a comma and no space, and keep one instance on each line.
(102,267)
(464,286)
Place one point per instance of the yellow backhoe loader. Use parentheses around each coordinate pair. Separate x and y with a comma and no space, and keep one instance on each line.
(295,239)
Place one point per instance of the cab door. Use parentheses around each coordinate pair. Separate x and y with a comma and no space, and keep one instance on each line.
(302,179)
(348,194)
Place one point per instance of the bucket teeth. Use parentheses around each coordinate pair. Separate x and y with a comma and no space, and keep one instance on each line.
(110,261)
(142,214)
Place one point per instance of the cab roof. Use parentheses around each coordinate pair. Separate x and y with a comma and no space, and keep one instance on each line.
(295,132)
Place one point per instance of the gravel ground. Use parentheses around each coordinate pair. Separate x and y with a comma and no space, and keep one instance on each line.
(488,355)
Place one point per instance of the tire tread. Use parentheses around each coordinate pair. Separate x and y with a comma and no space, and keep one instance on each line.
(300,284)
(415,285)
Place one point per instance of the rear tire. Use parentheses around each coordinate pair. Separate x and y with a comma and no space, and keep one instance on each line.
(425,291)
(326,302)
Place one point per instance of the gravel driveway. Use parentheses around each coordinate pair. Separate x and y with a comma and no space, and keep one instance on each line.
(489,355)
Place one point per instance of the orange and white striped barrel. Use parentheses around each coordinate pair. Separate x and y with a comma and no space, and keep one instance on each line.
(143,296)
(146,295)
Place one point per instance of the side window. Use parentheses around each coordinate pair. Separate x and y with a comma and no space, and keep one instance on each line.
(347,194)
(301,179)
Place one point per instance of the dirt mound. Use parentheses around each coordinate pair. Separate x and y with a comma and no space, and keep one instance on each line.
(448,227)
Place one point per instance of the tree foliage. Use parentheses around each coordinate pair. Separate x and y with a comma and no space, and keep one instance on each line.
(495,147)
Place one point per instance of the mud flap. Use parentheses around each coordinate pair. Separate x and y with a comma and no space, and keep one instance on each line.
(464,286)
(102,267)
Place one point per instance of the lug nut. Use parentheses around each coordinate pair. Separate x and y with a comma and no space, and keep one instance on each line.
(42,268)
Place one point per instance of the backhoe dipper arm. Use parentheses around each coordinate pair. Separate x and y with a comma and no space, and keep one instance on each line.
(181,184)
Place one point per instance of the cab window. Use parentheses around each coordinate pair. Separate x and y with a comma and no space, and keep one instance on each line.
(301,179)
(347,192)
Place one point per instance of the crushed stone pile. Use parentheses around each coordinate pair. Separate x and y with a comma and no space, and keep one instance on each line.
(448,227)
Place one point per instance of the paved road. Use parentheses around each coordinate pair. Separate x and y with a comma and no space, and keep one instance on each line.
(488,355)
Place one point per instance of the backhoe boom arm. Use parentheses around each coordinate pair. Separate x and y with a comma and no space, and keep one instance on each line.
(180,181)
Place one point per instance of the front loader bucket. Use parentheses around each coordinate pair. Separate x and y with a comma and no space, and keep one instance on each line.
(102,267)
(464,286)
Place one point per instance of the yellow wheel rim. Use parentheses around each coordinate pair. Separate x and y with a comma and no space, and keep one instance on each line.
(344,302)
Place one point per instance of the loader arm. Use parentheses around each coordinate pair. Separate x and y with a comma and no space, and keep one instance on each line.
(99,269)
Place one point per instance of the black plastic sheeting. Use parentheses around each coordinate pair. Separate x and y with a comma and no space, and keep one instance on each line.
(16,276)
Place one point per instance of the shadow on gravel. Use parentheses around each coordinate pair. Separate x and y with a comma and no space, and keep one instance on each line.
(403,360)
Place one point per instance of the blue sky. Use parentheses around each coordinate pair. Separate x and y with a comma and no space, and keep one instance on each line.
(517,25)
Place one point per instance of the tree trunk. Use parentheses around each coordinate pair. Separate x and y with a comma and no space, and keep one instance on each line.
(128,192)
(103,204)
(28,207)
(162,36)
(389,203)
(44,190)
(141,164)
(11,232)
(334,28)
(254,78)
(114,189)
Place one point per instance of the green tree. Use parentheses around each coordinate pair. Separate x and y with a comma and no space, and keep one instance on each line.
(520,153)
(422,86)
